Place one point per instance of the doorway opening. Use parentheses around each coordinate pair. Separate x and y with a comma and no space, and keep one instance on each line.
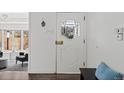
(14,42)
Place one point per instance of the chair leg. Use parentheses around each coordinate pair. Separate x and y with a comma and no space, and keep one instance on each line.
(22,64)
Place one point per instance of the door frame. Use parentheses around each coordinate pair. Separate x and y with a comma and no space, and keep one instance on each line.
(84,41)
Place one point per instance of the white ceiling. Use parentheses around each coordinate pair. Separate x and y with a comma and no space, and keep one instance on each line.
(13,17)
(14,21)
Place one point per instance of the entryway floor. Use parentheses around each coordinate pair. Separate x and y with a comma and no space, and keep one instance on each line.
(12,66)
(22,75)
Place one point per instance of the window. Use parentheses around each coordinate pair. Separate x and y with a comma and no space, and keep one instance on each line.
(8,40)
(14,40)
(25,38)
(17,40)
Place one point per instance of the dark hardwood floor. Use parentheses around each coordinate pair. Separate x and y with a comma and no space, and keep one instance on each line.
(21,75)
(54,76)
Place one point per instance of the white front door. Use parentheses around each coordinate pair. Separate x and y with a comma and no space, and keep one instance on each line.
(70,54)
(46,31)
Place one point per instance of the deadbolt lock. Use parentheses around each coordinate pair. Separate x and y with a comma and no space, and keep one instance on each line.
(59,42)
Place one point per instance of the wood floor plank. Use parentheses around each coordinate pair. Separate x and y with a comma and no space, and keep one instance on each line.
(22,75)
(13,75)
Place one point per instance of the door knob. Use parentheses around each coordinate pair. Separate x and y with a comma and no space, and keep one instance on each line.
(59,42)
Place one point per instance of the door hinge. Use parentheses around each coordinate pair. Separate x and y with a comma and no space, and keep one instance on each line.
(84,18)
(84,41)
(84,64)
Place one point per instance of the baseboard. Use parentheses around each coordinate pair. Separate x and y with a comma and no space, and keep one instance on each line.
(49,76)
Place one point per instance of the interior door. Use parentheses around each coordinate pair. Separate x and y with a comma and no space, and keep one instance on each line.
(70,52)
(43,48)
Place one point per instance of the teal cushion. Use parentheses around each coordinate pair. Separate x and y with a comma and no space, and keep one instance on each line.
(103,72)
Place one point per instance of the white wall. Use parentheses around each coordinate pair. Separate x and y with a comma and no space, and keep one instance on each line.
(102,44)
(42,42)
